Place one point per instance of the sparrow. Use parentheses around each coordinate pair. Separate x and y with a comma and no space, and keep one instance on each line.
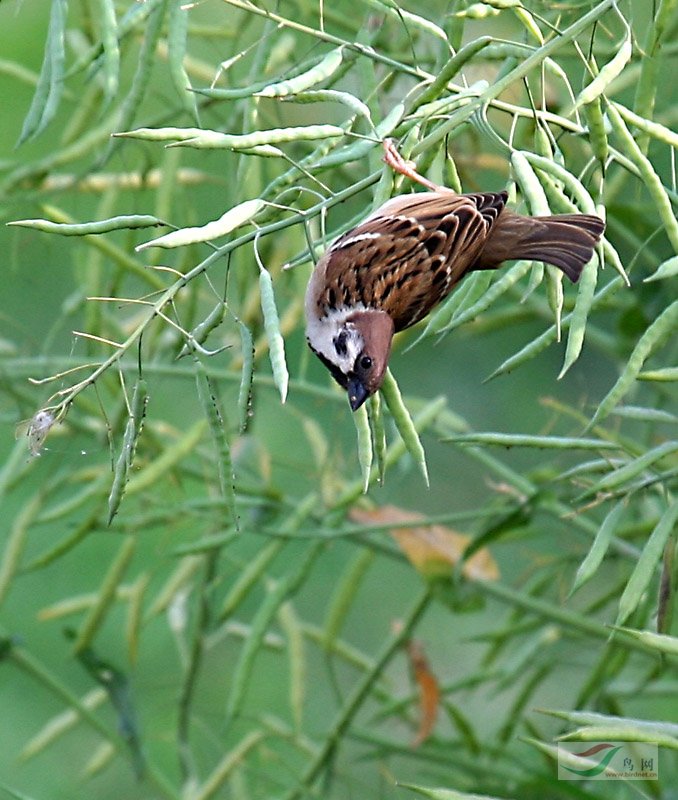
(387,273)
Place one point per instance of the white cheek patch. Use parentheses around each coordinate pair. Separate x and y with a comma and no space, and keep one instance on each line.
(354,346)
(338,341)
(344,351)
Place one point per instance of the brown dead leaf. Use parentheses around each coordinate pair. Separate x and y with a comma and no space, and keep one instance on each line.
(429,692)
(431,549)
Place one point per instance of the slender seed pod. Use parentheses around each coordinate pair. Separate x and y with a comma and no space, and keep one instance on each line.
(129,444)
(276,343)
(403,422)
(365,450)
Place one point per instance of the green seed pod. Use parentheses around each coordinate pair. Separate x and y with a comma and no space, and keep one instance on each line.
(246,376)
(529,184)
(129,443)
(403,422)
(594,558)
(596,131)
(177,33)
(582,306)
(365,451)
(110,50)
(662,327)
(376,419)
(132,221)
(276,344)
(312,77)
(214,412)
(648,175)
(232,219)
(608,73)
(654,129)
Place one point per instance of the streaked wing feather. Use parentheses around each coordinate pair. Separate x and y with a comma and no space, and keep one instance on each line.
(408,254)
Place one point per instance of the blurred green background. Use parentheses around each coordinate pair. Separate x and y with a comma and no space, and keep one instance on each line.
(177,660)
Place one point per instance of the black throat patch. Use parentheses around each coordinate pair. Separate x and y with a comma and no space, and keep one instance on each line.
(334,370)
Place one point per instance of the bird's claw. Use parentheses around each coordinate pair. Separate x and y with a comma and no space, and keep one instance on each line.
(403,167)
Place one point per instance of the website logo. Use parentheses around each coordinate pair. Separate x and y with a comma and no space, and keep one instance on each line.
(608,761)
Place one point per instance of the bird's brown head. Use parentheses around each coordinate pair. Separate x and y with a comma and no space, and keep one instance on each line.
(357,353)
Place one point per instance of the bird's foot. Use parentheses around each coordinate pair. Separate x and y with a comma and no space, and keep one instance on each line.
(407,168)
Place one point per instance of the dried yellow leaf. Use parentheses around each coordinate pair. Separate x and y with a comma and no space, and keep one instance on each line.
(432,549)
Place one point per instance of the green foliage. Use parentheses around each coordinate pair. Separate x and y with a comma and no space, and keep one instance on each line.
(187,607)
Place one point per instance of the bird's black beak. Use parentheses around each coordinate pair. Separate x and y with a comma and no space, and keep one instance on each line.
(357,393)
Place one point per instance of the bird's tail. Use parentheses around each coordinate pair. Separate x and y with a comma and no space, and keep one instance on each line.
(564,240)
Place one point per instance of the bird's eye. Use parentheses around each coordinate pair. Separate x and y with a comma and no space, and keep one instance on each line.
(365,362)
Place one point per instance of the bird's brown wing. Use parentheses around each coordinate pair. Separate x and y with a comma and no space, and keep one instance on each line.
(406,257)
